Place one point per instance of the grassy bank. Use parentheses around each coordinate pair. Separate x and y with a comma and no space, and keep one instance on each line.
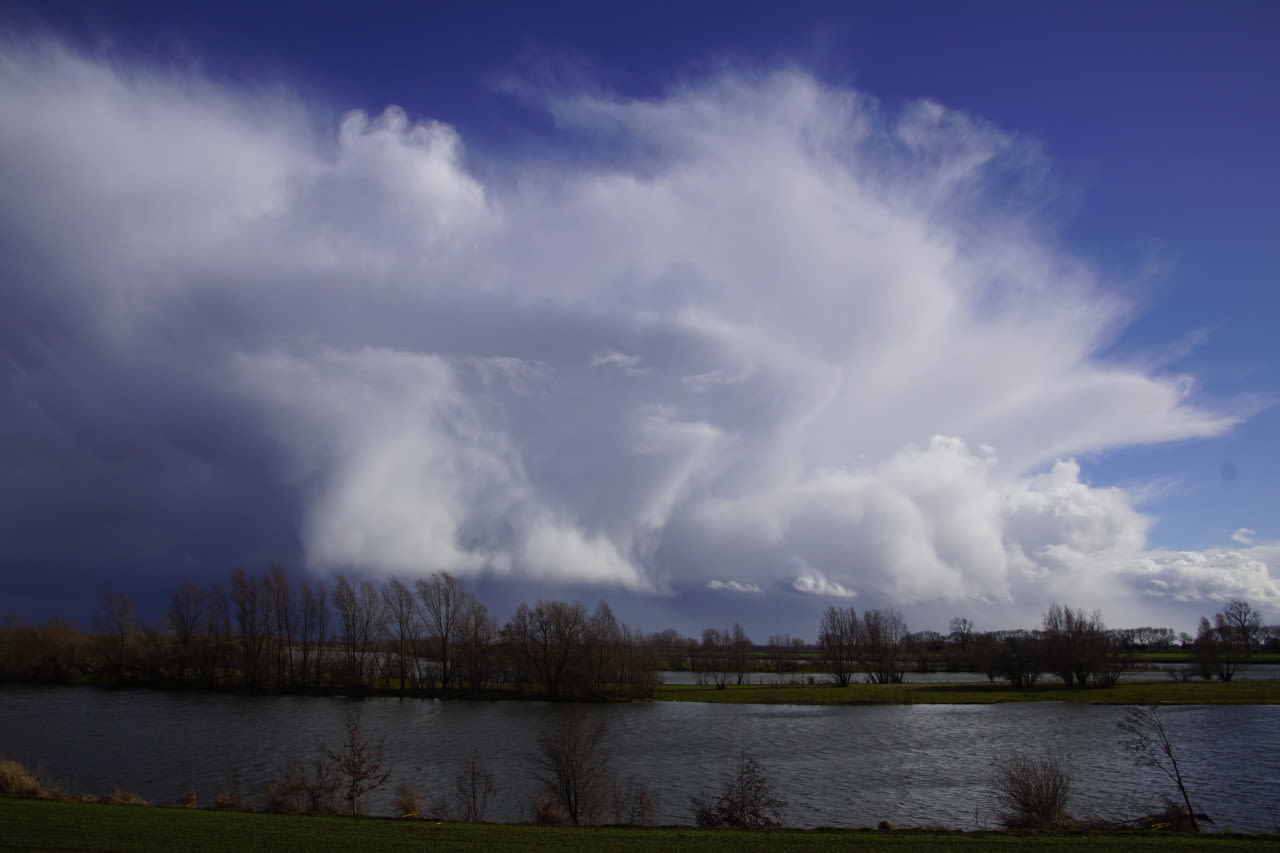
(55,826)
(1250,692)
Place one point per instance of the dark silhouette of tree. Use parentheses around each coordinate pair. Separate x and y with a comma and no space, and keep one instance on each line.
(573,764)
(884,646)
(838,639)
(361,622)
(444,603)
(404,633)
(117,630)
(1223,647)
(1077,647)
(740,647)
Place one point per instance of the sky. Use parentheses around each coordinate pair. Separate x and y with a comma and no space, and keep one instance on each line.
(711,311)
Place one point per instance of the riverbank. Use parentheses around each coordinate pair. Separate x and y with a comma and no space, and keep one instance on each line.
(1241,692)
(63,826)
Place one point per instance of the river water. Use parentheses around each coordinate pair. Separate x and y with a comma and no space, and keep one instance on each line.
(913,765)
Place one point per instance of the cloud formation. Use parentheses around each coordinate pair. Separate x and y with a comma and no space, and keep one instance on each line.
(765,330)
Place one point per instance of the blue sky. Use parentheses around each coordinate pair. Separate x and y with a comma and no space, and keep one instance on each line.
(712,310)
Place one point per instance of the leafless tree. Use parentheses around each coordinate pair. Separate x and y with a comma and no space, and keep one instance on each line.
(838,639)
(117,630)
(714,660)
(186,616)
(361,620)
(444,604)
(1149,743)
(1223,647)
(475,653)
(403,621)
(740,647)
(747,799)
(360,762)
(473,785)
(574,766)
(884,646)
(549,641)
(313,631)
(1077,647)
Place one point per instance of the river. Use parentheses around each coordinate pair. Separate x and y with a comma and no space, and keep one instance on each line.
(912,765)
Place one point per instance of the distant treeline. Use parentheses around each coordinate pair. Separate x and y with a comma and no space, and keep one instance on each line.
(435,638)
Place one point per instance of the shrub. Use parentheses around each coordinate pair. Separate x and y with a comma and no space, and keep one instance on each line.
(409,802)
(287,795)
(18,781)
(186,799)
(746,801)
(118,796)
(1032,793)
(232,799)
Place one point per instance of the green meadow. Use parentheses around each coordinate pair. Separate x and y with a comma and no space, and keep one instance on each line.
(64,826)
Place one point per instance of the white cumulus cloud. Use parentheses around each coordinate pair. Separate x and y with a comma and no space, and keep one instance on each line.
(779,329)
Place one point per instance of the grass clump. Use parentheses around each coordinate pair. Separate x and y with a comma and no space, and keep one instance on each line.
(17,781)
(118,796)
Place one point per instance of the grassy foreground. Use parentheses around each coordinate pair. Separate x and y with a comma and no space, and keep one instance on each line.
(63,826)
(1248,692)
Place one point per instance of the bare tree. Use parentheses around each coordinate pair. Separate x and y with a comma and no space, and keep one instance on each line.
(574,765)
(475,654)
(838,639)
(360,762)
(1150,745)
(549,640)
(445,603)
(361,619)
(185,616)
(884,646)
(1223,647)
(1076,646)
(961,632)
(747,799)
(117,630)
(1032,793)
(473,786)
(739,652)
(403,620)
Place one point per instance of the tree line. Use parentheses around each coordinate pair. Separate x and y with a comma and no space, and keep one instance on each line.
(434,637)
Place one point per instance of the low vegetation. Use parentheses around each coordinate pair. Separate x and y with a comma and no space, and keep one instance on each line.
(1032,792)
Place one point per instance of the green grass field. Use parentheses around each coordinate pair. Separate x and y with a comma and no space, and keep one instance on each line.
(60,826)
(1247,692)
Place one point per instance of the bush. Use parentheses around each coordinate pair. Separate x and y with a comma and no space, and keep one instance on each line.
(1032,793)
(232,799)
(118,796)
(408,801)
(746,801)
(18,781)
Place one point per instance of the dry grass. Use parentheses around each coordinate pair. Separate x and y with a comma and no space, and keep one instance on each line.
(118,796)
(17,781)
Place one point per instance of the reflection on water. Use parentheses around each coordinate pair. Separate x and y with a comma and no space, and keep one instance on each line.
(848,766)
